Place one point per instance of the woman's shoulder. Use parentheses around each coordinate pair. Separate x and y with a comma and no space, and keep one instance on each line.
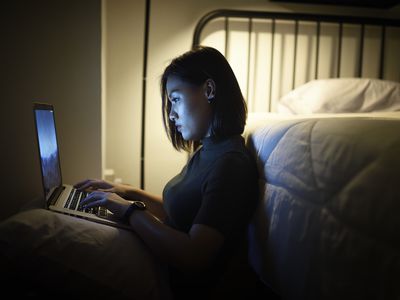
(235,163)
(238,157)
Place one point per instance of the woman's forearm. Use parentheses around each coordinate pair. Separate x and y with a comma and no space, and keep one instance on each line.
(169,245)
(153,202)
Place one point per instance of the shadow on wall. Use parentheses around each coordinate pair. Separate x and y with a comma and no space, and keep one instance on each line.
(50,52)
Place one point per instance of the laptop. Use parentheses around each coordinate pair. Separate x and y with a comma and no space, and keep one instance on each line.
(62,198)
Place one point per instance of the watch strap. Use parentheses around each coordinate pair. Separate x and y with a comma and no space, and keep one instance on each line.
(134,206)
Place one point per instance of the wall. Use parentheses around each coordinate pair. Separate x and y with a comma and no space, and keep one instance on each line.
(172,24)
(50,52)
(123,39)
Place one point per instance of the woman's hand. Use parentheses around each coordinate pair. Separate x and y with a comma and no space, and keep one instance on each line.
(102,185)
(116,204)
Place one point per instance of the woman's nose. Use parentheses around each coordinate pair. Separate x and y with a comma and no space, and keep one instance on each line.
(172,115)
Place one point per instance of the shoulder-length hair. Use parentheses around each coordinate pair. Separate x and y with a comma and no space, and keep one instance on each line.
(229,107)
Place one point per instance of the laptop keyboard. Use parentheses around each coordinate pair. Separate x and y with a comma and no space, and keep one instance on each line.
(73,202)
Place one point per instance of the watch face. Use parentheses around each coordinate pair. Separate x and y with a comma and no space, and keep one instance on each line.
(140,204)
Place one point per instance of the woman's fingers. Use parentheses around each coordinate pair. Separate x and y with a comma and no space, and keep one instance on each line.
(110,190)
(90,184)
(109,200)
(81,183)
(95,199)
(94,204)
(87,184)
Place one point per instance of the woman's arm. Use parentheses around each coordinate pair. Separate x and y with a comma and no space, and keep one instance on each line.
(153,202)
(186,251)
(193,251)
(126,191)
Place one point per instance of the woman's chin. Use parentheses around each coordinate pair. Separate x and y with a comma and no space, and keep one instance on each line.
(185,137)
(188,137)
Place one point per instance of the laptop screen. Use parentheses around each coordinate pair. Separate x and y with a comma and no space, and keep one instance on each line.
(48,148)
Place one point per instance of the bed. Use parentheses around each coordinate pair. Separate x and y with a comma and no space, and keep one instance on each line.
(326,136)
(323,95)
(327,225)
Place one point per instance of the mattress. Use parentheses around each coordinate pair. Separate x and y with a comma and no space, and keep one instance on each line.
(328,221)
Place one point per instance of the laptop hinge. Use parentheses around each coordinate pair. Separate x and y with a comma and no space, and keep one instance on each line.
(54,196)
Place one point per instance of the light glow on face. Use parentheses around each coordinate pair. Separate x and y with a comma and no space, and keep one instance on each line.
(190,110)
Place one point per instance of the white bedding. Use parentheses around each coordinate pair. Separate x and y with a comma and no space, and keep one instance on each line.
(342,95)
(257,120)
(39,246)
(328,224)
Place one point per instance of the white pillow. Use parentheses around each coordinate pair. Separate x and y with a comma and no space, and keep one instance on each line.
(39,246)
(342,95)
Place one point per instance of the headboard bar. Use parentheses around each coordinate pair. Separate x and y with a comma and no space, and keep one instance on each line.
(226,35)
(382,60)
(250,29)
(296,33)
(317,65)
(339,48)
(317,48)
(360,56)
(228,13)
(272,64)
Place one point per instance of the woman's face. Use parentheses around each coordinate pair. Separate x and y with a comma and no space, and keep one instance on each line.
(190,110)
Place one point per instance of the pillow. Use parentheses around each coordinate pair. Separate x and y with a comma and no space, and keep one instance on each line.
(342,95)
(44,249)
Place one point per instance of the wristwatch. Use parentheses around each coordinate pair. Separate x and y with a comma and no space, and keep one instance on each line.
(134,206)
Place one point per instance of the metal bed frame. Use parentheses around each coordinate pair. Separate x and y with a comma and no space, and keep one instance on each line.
(318,19)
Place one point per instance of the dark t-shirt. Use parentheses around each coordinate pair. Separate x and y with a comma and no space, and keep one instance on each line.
(218,188)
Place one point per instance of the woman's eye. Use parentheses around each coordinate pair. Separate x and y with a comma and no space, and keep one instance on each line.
(174,100)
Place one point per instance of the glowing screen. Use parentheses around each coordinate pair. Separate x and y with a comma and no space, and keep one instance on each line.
(48,150)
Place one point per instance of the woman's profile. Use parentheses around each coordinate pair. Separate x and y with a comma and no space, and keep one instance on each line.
(198,226)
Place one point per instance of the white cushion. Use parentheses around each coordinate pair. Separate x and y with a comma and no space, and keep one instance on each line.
(342,95)
(39,246)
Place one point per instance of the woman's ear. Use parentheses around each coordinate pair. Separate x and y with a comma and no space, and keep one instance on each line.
(209,87)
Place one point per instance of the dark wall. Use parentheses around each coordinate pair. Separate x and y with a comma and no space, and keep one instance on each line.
(50,52)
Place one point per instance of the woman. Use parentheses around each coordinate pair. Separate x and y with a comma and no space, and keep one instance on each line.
(198,226)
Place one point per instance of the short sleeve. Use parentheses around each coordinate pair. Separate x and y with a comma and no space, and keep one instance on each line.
(229,194)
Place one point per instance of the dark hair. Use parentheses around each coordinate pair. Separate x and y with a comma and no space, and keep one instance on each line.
(229,107)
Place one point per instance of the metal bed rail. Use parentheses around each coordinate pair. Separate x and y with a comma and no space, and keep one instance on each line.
(275,17)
